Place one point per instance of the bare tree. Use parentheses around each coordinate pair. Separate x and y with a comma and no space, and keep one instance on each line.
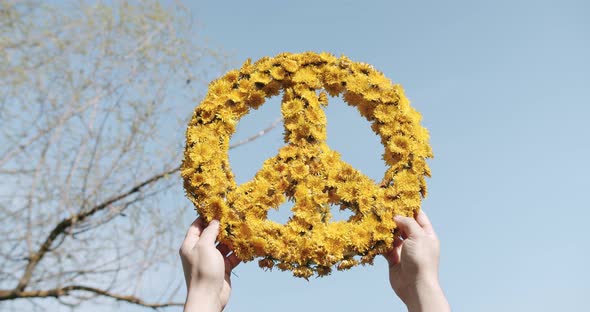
(87,93)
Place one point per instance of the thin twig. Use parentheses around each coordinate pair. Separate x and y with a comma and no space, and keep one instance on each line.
(259,134)
(67,290)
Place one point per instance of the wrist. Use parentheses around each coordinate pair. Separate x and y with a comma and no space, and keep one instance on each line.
(202,299)
(426,295)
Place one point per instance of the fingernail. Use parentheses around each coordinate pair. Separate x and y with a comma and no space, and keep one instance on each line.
(214,222)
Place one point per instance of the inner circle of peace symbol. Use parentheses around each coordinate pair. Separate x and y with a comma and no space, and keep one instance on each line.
(306,171)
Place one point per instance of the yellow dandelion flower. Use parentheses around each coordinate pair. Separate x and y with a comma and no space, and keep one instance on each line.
(273,88)
(258,244)
(219,87)
(372,94)
(366,109)
(385,113)
(255,99)
(308,77)
(232,76)
(298,170)
(353,98)
(266,263)
(283,266)
(323,98)
(316,117)
(290,65)
(260,77)
(347,264)
(245,87)
(264,64)
(278,73)
(247,67)
(323,270)
(292,107)
(303,272)
(318,133)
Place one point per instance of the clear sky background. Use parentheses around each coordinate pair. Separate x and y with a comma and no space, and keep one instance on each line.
(503,88)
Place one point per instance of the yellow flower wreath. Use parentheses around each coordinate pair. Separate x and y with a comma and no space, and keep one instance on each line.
(306,171)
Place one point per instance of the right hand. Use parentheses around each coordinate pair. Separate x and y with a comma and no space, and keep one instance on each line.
(413,264)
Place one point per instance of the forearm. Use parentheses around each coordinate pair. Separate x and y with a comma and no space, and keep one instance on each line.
(201,301)
(427,297)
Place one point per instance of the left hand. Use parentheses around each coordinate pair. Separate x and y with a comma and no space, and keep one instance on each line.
(207,268)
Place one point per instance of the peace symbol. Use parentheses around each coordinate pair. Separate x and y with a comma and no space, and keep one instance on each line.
(306,171)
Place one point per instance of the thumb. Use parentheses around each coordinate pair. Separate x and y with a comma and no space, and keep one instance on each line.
(209,235)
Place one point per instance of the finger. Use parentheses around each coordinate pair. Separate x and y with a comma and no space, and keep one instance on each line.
(397,250)
(424,222)
(394,255)
(422,218)
(223,249)
(209,234)
(408,226)
(403,235)
(192,235)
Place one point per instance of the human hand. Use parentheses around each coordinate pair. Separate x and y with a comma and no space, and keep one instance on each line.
(413,265)
(207,269)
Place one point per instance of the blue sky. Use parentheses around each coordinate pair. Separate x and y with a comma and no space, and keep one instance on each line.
(502,87)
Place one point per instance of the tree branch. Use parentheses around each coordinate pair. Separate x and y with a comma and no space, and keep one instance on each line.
(66,223)
(62,226)
(259,134)
(64,291)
